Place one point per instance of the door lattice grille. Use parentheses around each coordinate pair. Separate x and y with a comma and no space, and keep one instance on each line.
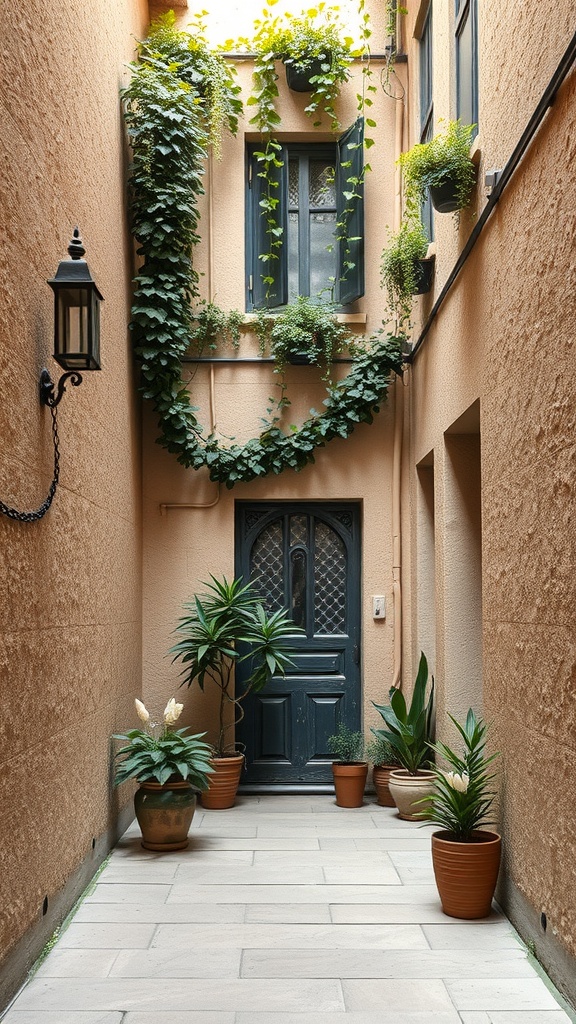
(329,580)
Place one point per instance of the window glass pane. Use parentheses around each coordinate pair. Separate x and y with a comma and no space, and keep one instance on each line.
(465,72)
(293,184)
(426,69)
(293,261)
(322,189)
(322,260)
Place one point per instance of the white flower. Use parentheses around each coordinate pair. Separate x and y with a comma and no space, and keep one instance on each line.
(172,712)
(456,781)
(141,711)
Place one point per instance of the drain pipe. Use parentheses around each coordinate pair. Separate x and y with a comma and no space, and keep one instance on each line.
(398,430)
(526,138)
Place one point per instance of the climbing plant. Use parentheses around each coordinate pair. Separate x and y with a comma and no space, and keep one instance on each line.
(169,122)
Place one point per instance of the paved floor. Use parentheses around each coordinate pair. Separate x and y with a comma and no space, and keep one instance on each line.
(284,910)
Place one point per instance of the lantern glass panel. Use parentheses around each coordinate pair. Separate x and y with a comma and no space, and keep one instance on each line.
(77,328)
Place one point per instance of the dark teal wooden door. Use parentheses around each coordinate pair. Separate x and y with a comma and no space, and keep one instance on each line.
(304,558)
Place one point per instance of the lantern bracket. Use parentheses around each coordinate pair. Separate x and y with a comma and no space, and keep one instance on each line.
(47,396)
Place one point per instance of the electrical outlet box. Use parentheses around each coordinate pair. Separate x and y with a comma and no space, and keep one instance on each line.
(379,606)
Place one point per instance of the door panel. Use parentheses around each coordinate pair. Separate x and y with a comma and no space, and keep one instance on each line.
(304,558)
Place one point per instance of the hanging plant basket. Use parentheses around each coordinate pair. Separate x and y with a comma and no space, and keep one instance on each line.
(298,79)
(424,275)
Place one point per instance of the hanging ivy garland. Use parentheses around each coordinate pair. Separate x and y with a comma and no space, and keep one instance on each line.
(171,116)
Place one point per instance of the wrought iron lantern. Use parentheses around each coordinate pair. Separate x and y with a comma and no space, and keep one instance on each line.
(76,321)
(76,347)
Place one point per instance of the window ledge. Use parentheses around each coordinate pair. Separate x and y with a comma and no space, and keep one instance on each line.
(342,318)
(476,150)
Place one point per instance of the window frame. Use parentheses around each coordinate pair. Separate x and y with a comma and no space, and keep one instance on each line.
(463,11)
(305,152)
(349,271)
(426,66)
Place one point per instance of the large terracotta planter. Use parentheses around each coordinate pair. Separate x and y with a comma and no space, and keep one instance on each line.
(164,814)
(224,782)
(381,778)
(349,783)
(407,789)
(466,873)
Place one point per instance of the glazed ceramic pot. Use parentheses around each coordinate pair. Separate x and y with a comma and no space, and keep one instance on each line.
(408,789)
(224,782)
(466,873)
(349,783)
(165,814)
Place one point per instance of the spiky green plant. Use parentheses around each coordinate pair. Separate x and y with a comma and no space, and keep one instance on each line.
(227,625)
(410,728)
(463,797)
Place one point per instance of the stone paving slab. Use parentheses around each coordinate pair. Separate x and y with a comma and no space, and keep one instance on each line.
(283,910)
(246,994)
(397,963)
(284,936)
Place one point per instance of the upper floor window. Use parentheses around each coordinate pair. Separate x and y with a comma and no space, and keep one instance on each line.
(467,61)
(426,107)
(316,192)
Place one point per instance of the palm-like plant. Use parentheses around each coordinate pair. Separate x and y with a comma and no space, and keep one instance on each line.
(409,728)
(226,625)
(463,796)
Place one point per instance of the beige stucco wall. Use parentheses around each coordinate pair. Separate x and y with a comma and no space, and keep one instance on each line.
(182,547)
(70,584)
(504,339)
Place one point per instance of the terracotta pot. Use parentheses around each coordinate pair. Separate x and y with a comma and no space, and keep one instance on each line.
(407,789)
(349,783)
(466,873)
(224,782)
(381,778)
(164,814)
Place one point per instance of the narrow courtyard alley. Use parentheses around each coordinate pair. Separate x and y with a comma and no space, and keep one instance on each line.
(283,910)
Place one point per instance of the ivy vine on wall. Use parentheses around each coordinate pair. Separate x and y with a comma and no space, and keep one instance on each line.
(172,118)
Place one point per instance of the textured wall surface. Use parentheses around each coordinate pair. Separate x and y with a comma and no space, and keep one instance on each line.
(70,606)
(183,547)
(505,337)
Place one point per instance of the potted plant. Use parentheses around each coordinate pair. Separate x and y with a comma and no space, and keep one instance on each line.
(304,332)
(466,858)
(225,625)
(349,767)
(443,166)
(404,270)
(171,768)
(384,760)
(409,734)
(317,54)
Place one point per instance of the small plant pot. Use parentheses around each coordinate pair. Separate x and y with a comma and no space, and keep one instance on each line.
(299,359)
(349,783)
(298,80)
(424,275)
(466,873)
(224,782)
(381,778)
(408,789)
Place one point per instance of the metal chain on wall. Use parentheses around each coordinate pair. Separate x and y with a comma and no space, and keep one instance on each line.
(32,517)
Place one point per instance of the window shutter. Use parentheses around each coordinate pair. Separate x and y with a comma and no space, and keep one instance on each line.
(262,294)
(350,213)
